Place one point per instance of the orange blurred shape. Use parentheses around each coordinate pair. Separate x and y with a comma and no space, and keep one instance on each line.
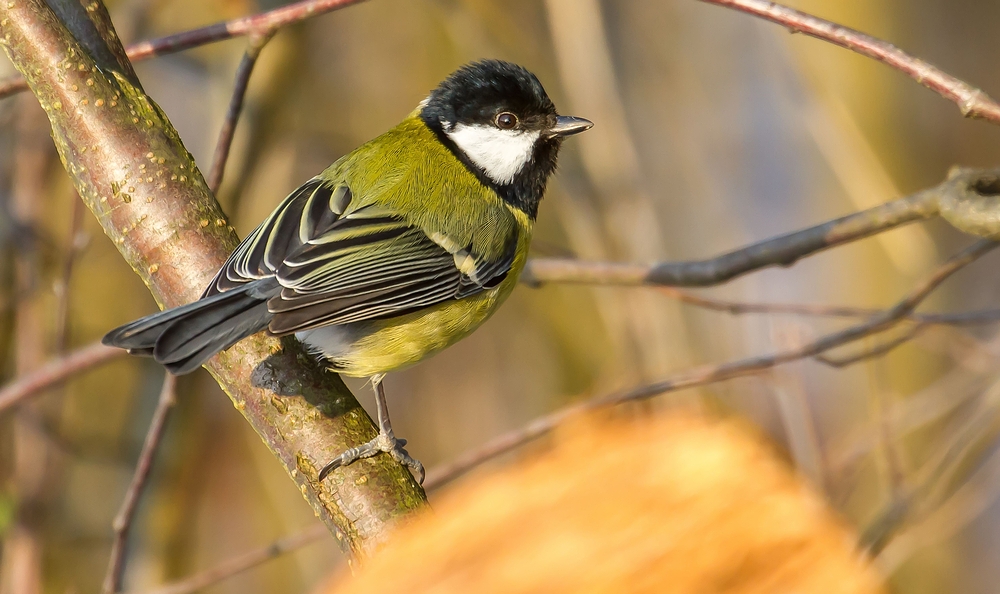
(677,503)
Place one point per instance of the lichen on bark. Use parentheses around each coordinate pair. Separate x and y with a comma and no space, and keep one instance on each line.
(132,170)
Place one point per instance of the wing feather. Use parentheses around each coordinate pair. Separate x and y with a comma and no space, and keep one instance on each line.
(339,262)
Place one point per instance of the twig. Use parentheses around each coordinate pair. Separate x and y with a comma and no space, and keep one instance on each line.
(161,224)
(244,562)
(877,351)
(506,442)
(708,374)
(57,371)
(783,250)
(973,102)
(248,25)
(123,520)
(61,369)
(832,311)
(243,72)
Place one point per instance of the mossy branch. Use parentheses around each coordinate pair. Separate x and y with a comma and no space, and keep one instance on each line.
(133,172)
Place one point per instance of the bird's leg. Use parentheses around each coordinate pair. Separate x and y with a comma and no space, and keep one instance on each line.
(385,441)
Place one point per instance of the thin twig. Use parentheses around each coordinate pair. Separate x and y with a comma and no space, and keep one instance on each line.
(876,351)
(161,227)
(123,520)
(248,25)
(973,102)
(506,442)
(831,311)
(243,72)
(243,562)
(708,374)
(783,250)
(93,355)
(57,371)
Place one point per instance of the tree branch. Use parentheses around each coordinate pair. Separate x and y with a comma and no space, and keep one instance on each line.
(536,428)
(243,72)
(967,200)
(972,102)
(130,167)
(57,371)
(242,562)
(248,25)
(982,316)
(708,374)
(123,520)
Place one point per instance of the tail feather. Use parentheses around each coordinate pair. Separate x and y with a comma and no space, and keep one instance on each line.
(183,338)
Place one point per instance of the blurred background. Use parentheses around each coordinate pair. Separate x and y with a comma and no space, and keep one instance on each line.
(713,130)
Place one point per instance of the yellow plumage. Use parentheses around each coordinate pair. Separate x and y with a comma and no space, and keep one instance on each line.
(406,170)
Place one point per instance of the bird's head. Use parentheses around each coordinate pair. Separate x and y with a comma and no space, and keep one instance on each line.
(497,119)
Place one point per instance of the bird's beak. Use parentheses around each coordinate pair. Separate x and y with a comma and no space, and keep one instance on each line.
(569,125)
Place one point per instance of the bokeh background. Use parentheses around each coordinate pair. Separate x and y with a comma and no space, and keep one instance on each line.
(713,130)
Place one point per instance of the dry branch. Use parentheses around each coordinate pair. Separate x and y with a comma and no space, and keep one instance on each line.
(133,172)
(982,316)
(968,200)
(248,25)
(707,374)
(123,519)
(973,102)
(540,426)
(243,71)
(57,371)
(243,562)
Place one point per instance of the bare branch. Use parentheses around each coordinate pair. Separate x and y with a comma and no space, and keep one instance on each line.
(873,352)
(93,355)
(248,25)
(967,200)
(243,562)
(243,72)
(123,520)
(832,311)
(57,371)
(131,169)
(784,250)
(704,375)
(972,102)
(707,374)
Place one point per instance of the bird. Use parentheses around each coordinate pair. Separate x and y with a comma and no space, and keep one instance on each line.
(393,253)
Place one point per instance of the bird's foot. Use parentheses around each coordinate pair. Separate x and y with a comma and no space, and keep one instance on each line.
(383,442)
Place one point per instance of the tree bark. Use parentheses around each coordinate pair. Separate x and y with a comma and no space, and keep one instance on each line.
(131,169)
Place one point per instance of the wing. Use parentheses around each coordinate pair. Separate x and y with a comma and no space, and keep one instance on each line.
(338,264)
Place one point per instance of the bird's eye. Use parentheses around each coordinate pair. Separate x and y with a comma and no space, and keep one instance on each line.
(506,121)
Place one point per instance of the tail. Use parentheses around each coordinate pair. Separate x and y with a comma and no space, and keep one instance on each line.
(184,337)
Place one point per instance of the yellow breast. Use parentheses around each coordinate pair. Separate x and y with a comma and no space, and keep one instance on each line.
(374,347)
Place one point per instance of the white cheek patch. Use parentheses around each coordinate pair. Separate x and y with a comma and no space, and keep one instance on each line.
(500,153)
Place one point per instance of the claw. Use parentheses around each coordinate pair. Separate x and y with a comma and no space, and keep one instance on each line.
(326,470)
(385,441)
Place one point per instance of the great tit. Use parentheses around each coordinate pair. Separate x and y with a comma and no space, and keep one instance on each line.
(394,252)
